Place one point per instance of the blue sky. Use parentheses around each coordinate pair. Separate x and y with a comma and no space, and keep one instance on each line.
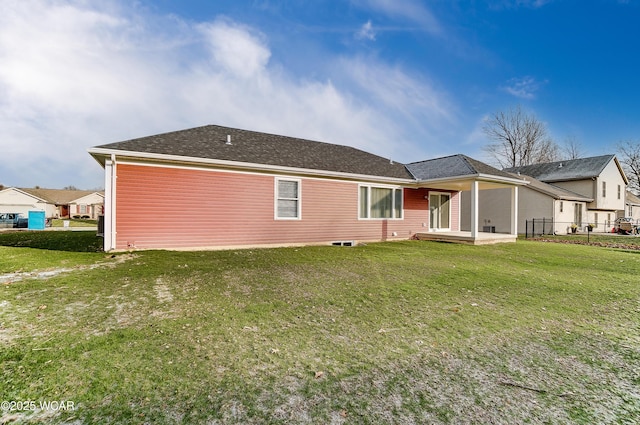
(405,79)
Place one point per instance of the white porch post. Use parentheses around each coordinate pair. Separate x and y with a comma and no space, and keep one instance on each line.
(514,210)
(474,209)
(109,204)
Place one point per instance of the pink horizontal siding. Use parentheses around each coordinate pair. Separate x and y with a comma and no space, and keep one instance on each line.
(159,207)
(455,211)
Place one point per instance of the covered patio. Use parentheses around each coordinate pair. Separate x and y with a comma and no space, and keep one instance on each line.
(466,237)
(457,174)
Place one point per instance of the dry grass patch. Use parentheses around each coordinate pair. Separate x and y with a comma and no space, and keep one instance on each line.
(410,332)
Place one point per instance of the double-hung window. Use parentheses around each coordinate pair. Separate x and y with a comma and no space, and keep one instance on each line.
(380,202)
(287,199)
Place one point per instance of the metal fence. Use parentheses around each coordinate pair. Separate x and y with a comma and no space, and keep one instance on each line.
(538,227)
(547,226)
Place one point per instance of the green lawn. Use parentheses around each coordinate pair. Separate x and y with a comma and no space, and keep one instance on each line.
(403,332)
(74,222)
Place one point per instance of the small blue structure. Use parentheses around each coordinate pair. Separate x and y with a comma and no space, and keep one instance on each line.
(36,220)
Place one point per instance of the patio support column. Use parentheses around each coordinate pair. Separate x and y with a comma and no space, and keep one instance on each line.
(109,204)
(514,210)
(474,209)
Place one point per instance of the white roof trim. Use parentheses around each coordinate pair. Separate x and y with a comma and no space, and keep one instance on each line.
(245,165)
(95,152)
(480,177)
(25,193)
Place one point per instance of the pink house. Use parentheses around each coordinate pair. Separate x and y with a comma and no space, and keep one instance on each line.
(220,187)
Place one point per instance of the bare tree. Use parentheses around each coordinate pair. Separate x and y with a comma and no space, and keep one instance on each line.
(629,157)
(572,148)
(519,138)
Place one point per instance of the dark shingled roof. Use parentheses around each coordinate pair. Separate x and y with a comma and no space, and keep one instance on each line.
(553,191)
(451,167)
(209,142)
(575,169)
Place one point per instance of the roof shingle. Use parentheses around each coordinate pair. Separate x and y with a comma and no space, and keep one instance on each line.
(451,167)
(554,191)
(575,169)
(209,142)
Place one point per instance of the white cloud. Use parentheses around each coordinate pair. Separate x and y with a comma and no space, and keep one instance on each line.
(76,74)
(407,105)
(523,88)
(410,10)
(366,32)
(237,48)
(398,90)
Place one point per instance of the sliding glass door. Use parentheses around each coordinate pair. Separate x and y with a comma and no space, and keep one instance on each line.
(439,211)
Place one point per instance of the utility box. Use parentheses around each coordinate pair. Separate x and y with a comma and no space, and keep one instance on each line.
(36,220)
(101,225)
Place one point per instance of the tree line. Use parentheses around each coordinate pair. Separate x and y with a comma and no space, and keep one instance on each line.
(518,138)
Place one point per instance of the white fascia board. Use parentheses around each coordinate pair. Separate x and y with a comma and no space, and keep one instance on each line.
(624,175)
(479,177)
(39,199)
(75,201)
(574,198)
(500,179)
(249,166)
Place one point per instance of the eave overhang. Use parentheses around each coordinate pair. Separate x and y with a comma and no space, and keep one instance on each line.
(101,155)
(462,183)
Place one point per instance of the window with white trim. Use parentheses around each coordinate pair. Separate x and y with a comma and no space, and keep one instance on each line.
(287,199)
(380,202)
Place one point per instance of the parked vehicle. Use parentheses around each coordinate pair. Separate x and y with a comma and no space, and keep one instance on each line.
(625,226)
(13,220)
(22,222)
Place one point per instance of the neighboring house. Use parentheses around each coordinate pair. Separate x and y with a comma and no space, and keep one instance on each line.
(14,200)
(598,178)
(553,208)
(632,208)
(212,187)
(90,205)
(56,203)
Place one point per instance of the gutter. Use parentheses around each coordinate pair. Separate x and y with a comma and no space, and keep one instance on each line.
(480,177)
(99,154)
